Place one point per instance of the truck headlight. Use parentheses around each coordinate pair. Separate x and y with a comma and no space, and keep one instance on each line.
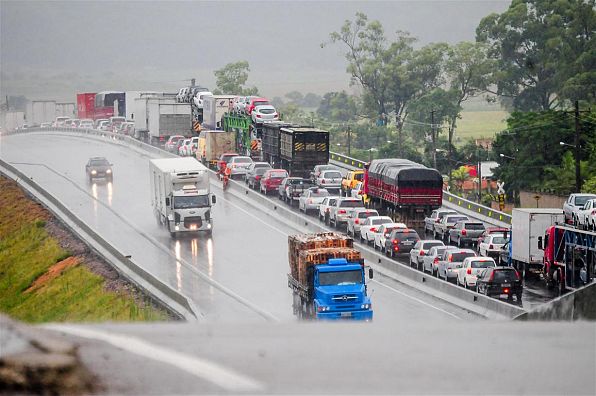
(209,226)
(93,172)
(177,228)
(109,171)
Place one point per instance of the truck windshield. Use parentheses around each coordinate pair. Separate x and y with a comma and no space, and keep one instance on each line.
(340,278)
(196,201)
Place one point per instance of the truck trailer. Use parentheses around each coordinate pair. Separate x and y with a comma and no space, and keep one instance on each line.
(527,225)
(40,111)
(214,109)
(86,105)
(212,144)
(301,148)
(159,116)
(327,278)
(180,195)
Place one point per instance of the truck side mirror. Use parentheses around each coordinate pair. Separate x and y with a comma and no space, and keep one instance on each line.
(370,273)
(540,243)
(167,201)
(213,199)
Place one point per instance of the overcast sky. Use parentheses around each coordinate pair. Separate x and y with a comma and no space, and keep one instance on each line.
(51,50)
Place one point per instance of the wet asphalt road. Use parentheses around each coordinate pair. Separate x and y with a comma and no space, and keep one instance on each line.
(237,275)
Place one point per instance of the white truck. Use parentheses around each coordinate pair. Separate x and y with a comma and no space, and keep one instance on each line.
(180,195)
(527,225)
(214,108)
(40,111)
(159,116)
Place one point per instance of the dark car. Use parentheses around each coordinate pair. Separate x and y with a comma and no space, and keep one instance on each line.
(253,178)
(99,168)
(401,240)
(500,281)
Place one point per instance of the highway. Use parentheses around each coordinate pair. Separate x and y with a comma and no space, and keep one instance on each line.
(238,275)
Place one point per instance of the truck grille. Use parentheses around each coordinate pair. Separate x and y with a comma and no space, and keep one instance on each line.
(345,298)
(194,220)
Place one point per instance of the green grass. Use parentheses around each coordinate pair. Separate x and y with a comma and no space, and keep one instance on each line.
(27,252)
(479,124)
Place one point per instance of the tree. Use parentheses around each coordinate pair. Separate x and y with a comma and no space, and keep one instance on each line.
(337,106)
(231,79)
(545,51)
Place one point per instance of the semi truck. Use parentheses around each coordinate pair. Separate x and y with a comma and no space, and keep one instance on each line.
(86,105)
(159,116)
(212,144)
(327,278)
(40,111)
(180,195)
(214,109)
(527,225)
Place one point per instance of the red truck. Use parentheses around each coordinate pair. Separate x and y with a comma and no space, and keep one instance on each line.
(86,106)
(569,257)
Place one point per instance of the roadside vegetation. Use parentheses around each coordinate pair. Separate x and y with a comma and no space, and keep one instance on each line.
(47,275)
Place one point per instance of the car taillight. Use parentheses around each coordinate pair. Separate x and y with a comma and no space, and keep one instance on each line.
(491,246)
(395,241)
(323,181)
(357,221)
(464,232)
(258,116)
(373,229)
(422,253)
(593,212)
(437,220)
(395,248)
(506,290)
(257,177)
(492,276)
(516,275)
(450,259)
(469,271)
(341,211)
(436,260)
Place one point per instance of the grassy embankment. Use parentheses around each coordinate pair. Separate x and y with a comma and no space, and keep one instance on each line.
(480,124)
(40,281)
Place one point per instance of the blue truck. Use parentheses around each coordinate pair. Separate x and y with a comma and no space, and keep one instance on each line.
(328,278)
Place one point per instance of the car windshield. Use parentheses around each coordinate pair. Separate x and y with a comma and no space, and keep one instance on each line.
(482,264)
(428,245)
(101,162)
(267,111)
(455,219)
(358,176)
(227,158)
(581,200)
(340,278)
(366,215)
(499,240)
(474,226)
(263,165)
(505,275)
(439,251)
(296,182)
(278,175)
(381,221)
(260,171)
(459,257)
(319,193)
(197,201)
(351,204)
(332,175)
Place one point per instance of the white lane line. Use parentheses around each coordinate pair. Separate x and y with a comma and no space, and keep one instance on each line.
(416,299)
(209,371)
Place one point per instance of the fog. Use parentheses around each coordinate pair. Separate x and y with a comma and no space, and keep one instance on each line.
(51,50)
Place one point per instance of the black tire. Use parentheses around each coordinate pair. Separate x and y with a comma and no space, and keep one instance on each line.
(519,298)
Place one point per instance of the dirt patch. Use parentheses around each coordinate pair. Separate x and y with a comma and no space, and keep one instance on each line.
(53,272)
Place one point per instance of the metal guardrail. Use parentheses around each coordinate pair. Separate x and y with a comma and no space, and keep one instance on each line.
(447,196)
(123,261)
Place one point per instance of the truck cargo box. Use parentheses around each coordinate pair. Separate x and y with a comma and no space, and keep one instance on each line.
(526,226)
(217,143)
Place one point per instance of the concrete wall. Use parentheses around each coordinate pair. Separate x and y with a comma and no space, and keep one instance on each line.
(527,200)
(577,305)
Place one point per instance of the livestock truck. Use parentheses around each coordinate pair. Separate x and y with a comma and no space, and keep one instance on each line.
(569,256)
(180,195)
(327,278)
(527,225)
(212,144)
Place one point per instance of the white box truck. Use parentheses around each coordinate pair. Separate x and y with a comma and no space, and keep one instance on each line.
(527,224)
(159,116)
(214,108)
(180,195)
(40,111)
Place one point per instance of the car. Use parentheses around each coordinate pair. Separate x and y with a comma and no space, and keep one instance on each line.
(383,232)
(86,123)
(329,179)
(324,207)
(264,113)
(194,92)
(400,240)
(320,168)
(271,180)
(224,159)
(281,188)
(185,149)
(294,188)
(447,222)
(73,123)
(104,126)
(493,230)
(451,262)
(491,245)
(338,214)
(252,168)
(239,165)
(499,281)
(242,103)
(311,199)
(99,121)
(465,232)
(435,217)
(99,167)
(505,254)
(181,96)
(585,218)
(254,102)
(430,261)
(349,182)
(355,219)
(356,192)
(573,204)
(199,98)
(253,179)
(128,128)
(420,250)
(60,121)
(172,143)
(471,268)
(370,227)
(48,125)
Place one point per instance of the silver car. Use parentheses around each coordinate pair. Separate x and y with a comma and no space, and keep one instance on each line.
(311,199)
(356,218)
(239,165)
(325,207)
(338,215)
(451,262)
(420,249)
(435,217)
(430,261)
(329,179)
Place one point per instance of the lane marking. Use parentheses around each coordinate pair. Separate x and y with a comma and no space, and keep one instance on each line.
(221,376)
(416,299)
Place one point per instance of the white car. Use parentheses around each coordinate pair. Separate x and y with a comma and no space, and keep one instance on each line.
(329,179)
(60,121)
(573,204)
(471,267)
(383,232)
(99,121)
(356,192)
(491,245)
(264,113)
(324,207)
(311,199)
(86,123)
(239,165)
(435,217)
(430,261)
(199,98)
(586,216)
(420,250)
(104,125)
(184,148)
(370,226)
(242,102)
(356,218)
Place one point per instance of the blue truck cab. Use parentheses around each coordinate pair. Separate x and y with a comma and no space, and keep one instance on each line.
(335,290)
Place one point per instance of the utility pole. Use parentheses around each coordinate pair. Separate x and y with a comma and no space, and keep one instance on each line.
(434,137)
(349,141)
(479,174)
(578,180)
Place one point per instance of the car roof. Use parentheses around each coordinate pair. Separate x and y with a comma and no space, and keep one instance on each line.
(480,258)
(463,251)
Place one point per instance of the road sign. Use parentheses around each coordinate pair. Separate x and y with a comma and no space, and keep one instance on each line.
(501,189)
